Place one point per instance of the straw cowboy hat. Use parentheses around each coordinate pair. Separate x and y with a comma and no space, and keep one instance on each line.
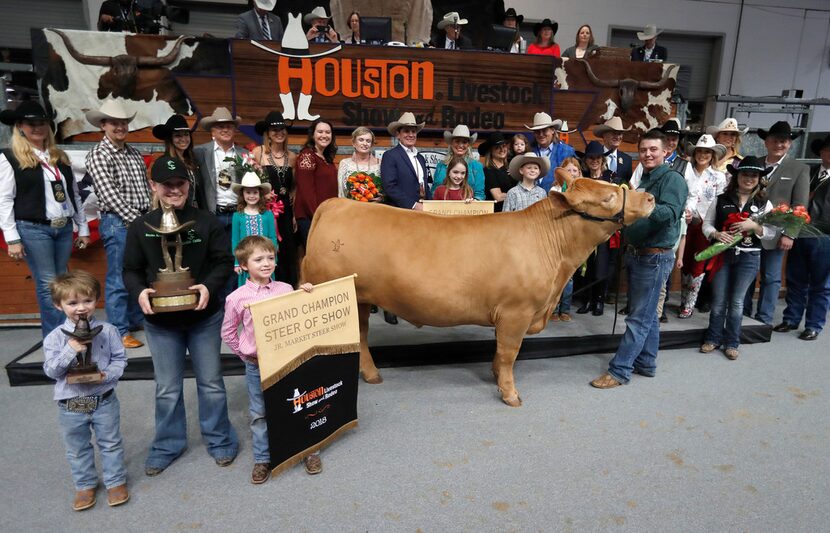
(318,12)
(543,120)
(460,132)
(27,110)
(707,142)
(563,128)
(251,180)
(174,123)
(407,119)
(728,124)
(451,19)
(220,114)
(650,32)
(111,110)
(612,124)
(521,160)
(779,129)
(267,5)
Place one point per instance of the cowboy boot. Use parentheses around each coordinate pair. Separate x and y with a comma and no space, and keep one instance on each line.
(287,106)
(694,290)
(302,108)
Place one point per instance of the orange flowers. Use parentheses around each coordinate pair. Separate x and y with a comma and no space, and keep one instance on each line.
(361,186)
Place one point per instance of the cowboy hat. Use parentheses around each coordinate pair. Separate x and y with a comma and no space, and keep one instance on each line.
(542,120)
(82,330)
(220,114)
(750,163)
(495,139)
(547,23)
(407,119)
(779,129)
(820,144)
(563,128)
(451,19)
(318,12)
(273,119)
(266,5)
(706,142)
(251,180)
(28,110)
(728,124)
(511,14)
(671,127)
(649,32)
(109,110)
(593,149)
(173,124)
(521,160)
(460,132)
(612,124)
(294,42)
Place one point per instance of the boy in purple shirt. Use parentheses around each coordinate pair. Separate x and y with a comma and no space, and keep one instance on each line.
(87,407)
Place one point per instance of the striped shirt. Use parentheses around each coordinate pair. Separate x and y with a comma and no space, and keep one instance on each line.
(120,179)
(519,197)
(243,343)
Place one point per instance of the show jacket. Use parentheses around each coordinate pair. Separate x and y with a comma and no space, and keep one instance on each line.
(661,229)
(462,43)
(206,178)
(789,184)
(400,182)
(639,53)
(248,26)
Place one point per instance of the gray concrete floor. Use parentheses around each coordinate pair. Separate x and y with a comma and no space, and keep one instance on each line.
(707,445)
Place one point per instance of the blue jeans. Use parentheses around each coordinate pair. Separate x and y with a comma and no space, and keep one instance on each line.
(564,305)
(122,312)
(728,293)
(256,409)
(168,347)
(77,436)
(770,286)
(638,349)
(47,254)
(808,282)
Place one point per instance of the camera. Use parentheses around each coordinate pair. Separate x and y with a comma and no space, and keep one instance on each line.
(322,29)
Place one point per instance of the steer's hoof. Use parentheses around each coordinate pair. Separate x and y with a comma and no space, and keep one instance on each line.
(513,400)
(373,378)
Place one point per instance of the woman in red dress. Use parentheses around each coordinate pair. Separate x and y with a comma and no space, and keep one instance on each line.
(545,45)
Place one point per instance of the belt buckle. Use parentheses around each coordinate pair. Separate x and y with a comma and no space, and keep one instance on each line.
(58,223)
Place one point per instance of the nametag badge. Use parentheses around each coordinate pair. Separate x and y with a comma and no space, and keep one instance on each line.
(82,404)
(784,178)
(58,191)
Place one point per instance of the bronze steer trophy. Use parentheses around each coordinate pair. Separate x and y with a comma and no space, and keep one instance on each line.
(84,371)
(171,285)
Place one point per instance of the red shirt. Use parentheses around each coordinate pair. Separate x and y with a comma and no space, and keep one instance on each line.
(544,51)
(316,182)
(452,194)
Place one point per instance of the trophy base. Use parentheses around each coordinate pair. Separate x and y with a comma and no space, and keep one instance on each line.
(172,293)
(87,374)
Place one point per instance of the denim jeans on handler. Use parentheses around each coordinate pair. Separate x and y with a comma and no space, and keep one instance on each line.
(638,349)
(168,346)
(77,431)
(808,282)
(770,286)
(564,305)
(122,312)
(256,410)
(47,254)
(728,292)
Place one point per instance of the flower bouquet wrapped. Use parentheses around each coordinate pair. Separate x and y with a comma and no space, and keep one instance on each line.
(363,186)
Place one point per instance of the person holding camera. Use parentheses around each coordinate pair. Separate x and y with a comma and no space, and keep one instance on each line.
(116,15)
(321,31)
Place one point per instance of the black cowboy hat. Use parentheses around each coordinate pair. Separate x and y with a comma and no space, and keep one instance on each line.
(274,119)
(82,331)
(750,163)
(496,138)
(547,23)
(779,129)
(174,123)
(820,144)
(594,148)
(671,127)
(28,110)
(511,13)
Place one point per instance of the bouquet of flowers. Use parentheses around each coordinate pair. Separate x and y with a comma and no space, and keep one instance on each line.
(241,165)
(363,186)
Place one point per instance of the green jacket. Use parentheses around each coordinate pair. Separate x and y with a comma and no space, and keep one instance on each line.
(662,227)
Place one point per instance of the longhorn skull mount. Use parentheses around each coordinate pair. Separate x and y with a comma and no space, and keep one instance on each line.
(627,86)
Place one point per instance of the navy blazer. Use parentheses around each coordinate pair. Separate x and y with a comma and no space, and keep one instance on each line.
(639,53)
(624,166)
(248,26)
(400,183)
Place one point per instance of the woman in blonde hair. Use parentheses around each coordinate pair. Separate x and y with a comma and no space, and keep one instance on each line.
(39,201)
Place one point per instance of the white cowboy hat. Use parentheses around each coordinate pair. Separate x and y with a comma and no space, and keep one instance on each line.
(706,141)
(461,131)
(612,124)
(563,128)
(649,32)
(318,12)
(407,119)
(220,114)
(294,42)
(451,19)
(267,5)
(251,180)
(521,160)
(728,124)
(542,121)
(110,109)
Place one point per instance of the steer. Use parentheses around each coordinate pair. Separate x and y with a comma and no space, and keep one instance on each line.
(509,269)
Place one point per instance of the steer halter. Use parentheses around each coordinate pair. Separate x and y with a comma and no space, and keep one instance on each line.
(619,218)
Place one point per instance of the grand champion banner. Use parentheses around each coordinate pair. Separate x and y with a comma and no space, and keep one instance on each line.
(308,346)
(458,207)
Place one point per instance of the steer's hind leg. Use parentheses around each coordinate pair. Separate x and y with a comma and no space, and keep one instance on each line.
(508,341)
(367,364)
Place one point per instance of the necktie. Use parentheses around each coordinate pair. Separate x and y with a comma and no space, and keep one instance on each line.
(612,163)
(266,31)
(823,176)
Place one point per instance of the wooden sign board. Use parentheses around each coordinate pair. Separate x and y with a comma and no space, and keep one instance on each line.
(457,207)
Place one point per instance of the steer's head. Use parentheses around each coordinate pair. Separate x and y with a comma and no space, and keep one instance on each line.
(602,200)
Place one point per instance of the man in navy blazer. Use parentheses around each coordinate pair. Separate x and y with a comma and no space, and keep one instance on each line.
(254,23)
(649,51)
(403,171)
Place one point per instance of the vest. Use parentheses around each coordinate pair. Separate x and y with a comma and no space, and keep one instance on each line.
(727,204)
(30,198)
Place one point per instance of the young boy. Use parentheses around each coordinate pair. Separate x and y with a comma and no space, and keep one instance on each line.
(85,407)
(256,255)
(526,169)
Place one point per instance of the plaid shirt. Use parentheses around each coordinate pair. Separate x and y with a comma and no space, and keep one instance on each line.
(120,179)
(519,197)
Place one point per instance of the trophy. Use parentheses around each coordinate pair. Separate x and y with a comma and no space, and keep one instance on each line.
(84,371)
(172,282)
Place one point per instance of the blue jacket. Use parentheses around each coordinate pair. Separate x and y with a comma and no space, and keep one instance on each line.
(400,183)
(558,153)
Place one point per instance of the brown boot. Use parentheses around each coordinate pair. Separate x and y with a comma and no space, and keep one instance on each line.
(313,464)
(84,499)
(117,495)
(260,474)
(131,342)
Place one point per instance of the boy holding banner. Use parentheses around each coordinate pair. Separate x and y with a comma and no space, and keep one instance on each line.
(257,256)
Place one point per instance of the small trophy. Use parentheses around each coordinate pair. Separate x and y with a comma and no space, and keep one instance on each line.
(84,371)
(172,282)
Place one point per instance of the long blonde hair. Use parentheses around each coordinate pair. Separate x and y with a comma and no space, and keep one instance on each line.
(25,154)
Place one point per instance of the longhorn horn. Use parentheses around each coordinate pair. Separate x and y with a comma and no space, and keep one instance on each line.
(102,61)
(657,84)
(146,61)
(596,81)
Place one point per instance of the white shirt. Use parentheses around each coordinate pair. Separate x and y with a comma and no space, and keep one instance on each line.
(703,189)
(450,44)
(768,233)
(224,197)
(647,53)
(419,171)
(773,165)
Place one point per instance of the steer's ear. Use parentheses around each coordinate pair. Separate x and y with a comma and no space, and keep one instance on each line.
(558,200)
(563,176)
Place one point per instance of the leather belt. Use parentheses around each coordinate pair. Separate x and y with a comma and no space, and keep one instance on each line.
(650,251)
(225,209)
(54,223)
(100,398)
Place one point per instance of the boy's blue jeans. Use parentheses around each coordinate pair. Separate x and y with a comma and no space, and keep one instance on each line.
(256,409)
